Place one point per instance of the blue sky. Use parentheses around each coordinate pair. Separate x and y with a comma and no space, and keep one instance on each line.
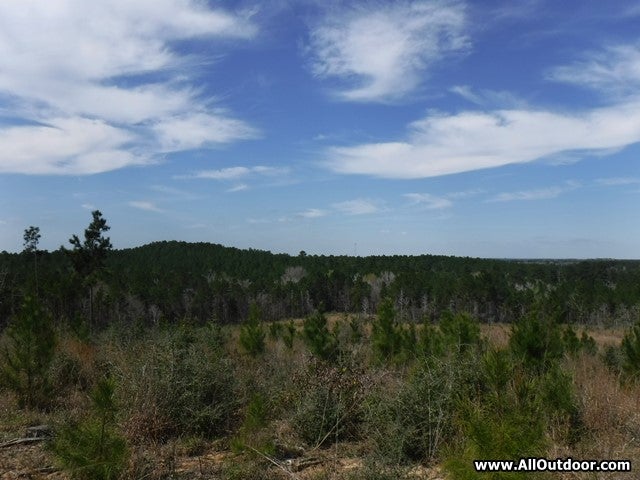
(491,129)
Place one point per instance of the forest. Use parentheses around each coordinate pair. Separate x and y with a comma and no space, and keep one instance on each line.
(177,361)
(172,281)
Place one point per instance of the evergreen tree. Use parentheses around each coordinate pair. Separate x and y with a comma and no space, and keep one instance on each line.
(252,334)
(385,335)
(31,239)
(89,256)
(93,450)
(317,337)
(28,355)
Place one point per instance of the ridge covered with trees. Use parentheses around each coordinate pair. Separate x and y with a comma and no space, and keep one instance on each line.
(171,281)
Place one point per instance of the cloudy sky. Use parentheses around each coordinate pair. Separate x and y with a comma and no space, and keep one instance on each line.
(491,129)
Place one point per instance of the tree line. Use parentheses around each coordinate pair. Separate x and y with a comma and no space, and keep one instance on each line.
(91,285)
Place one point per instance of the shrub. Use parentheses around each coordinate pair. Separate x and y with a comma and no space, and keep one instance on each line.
(317,337)
(631,352)
(29,354)
(460,332)
(415,422)
(289,334)
(328,403)
(252,334)
(536,341)
(93,450)
(177,383)
(386,337)
(430,341)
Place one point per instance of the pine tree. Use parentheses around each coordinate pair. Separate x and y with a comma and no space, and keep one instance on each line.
(89,256)
(28,355)
(252,333)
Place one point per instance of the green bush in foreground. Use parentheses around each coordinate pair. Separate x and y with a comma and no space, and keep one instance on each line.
(29,354)
(252,333)
(92,449)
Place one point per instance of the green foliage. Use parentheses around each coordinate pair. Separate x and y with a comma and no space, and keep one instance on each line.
(251,433)
(317,337)
(88,256)
(631,352)
(513,414)
(460,331)
(92,449)
(275,330)
(573,344)
(386,336)
(355,330)
(571,341)
(28,355)
(613,358)
(289,334)
(588,344)
(431,341)
(536,341)
(252,333)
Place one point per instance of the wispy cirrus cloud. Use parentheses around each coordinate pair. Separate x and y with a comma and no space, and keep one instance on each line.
(241,187)
(313,213)
(612,71)
(536,194)
(359,206)
(428,201)
(145,205)
(235,173)
(97,86)
(384,51)
(618,181)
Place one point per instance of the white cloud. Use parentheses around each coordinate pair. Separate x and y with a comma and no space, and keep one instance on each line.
(385,52)
(144,205)
(313,213)
(88,206)
(618,181)
(488,98)
(83,62)
(239,188)
(537,194)
(189,131)
(614,71)
(431,202)
(234,173)
(77,146)
(359,206)
(442,144)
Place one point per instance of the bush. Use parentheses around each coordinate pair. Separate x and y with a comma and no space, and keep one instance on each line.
(328,403)
(460,332)
(317,337)
(252,334)
(536,341)
(631,352)
(177,383)
(414,423)
(93,450)
(386,337)
(289,334)
(29,354)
